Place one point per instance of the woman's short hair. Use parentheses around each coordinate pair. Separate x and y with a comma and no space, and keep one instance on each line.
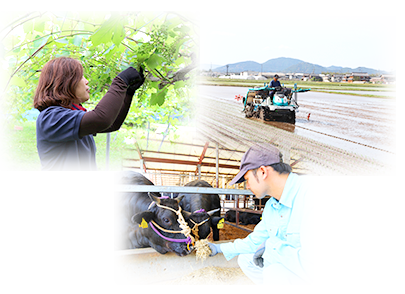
(57,83)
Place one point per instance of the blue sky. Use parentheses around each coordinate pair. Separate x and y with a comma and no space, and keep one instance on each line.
(361,34)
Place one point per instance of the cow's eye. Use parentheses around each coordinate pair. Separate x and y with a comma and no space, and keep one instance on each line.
(166,220)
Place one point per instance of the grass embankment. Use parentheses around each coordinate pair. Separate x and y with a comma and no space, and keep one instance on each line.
(325,87)
(21,148)
(22,154)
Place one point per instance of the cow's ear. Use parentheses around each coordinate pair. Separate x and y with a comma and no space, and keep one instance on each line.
(145,215)
(215,219)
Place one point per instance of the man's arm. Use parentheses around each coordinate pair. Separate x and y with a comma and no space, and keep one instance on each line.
(246,245)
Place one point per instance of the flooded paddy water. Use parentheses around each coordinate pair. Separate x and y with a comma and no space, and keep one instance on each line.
(356,124)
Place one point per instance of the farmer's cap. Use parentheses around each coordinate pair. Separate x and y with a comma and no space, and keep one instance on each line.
(276,76)
(260,154)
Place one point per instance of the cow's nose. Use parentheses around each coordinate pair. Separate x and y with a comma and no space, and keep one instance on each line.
(184,252)
(187,249)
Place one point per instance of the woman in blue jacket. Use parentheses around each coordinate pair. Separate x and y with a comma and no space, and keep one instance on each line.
(65,129)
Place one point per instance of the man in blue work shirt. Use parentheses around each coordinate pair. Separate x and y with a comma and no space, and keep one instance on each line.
(272,252)
(274,84)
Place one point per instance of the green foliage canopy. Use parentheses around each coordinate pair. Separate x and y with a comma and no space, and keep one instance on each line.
(106,43)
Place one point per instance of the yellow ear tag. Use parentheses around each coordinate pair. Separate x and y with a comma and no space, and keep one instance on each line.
(143,224)
(260,218)
(220,224)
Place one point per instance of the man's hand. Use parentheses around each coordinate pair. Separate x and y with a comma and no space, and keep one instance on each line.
(214,249)
(257,257)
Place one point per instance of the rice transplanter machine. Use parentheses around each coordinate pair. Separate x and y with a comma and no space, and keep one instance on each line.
(281,106)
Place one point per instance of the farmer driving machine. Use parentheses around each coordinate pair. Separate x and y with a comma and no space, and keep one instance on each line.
(268,103)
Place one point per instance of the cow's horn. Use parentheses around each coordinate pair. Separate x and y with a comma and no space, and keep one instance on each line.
(154,198)
(211,212)
(179,198)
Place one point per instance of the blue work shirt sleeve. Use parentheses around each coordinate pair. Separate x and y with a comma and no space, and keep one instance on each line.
(246,245)
(274,84)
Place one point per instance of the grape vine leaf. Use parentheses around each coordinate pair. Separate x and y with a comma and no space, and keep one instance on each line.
(111,30)
(154,61)
(158,98)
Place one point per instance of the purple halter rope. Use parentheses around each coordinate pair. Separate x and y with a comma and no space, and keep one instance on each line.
(188,240)
(201,210)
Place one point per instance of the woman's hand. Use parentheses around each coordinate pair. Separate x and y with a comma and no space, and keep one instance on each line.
(132,78)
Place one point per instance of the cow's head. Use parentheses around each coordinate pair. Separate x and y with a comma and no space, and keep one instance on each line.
(203,221)
(166,219)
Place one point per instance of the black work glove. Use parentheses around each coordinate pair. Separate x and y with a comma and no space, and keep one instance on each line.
(132,78)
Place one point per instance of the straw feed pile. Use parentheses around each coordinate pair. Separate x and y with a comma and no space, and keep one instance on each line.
(202,249)
(214,275)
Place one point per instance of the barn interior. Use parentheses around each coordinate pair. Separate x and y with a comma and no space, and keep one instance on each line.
(174,163)
(171,164)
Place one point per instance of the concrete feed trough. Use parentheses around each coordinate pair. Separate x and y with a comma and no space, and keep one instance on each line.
(146,266)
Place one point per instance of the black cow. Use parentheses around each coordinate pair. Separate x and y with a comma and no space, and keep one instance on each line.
(245,218)
(137,213)
(203,207)
(230,216)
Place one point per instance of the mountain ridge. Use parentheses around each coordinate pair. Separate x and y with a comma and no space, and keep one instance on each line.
(286,64)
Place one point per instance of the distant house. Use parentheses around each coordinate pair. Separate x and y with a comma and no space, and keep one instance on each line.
(388,79)
(347,79)
(317,78)
(306,77)
(356,77)
(336,78)
(325,77)
(360,77)
(241,76)
(383,79)
(260,77)
(375,80)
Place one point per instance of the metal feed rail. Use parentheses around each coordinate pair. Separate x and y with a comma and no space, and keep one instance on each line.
(184,189)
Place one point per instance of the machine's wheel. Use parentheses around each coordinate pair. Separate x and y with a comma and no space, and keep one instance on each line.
(262,113)
(256,112)
(249,111)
